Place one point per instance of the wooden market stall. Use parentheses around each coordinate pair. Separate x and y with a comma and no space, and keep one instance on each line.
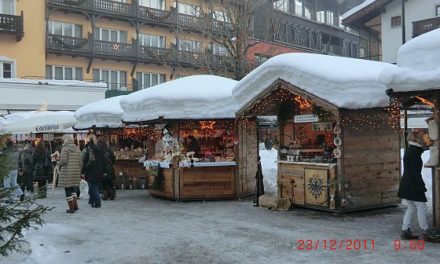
(338,149)
(192,109)
(103,118)
(416,81)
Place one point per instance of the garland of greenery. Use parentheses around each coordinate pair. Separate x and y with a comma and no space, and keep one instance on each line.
(150,53)
(152,15)
(81,43)
(74,2)
(159,181)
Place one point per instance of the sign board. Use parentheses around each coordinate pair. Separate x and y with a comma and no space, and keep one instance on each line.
(306,118)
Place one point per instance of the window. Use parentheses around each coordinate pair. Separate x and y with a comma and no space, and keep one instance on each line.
(157,4)
(6,70)
(151,41)
(282,5)
(63,73)
(146,80)
(187,9)
(396,21)
(7,7)
(65,29)
(329,15)
(188,45)
(308,13)
(221,16)
(299,7)
(220,50)
(437,10)
(115,79)
(260,58)
(111,35)
(320,16)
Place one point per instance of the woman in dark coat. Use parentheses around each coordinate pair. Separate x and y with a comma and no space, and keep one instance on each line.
(412,188)
(93,169)
(108,189)
(41,168)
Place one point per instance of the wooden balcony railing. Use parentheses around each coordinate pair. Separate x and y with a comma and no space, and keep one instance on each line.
(12,25)
(135,11)
(422,26)
(132,52)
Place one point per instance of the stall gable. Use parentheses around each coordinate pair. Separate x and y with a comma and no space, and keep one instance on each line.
(371,159)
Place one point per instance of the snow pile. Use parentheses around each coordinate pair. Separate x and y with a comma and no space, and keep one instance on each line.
(357,8)
(102,113)
(343,82)
(55,82)
(192,97)
(270,166)
(418,62)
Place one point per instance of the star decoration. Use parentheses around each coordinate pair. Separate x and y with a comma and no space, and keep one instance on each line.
(207,124)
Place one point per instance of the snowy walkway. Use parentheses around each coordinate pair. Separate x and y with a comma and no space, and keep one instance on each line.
(136,228)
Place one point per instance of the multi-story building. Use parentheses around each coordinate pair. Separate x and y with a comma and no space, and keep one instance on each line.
(135,44)
(384,25)
(309,25)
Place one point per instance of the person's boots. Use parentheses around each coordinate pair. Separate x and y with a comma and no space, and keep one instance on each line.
(75,202)
(433,157)
(71,209)
(407,235)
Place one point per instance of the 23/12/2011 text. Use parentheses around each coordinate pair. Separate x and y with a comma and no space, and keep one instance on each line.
(334,244)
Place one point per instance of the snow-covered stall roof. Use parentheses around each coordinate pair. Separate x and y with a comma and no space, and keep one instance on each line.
(41,122)
(192,97)
(418,65)
(343,82)
(101,114)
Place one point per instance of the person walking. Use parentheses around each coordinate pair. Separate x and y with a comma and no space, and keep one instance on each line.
(41,168)
(412,188)
(93,169)
(10,180)
(70,165)
(108,188)
(25,169)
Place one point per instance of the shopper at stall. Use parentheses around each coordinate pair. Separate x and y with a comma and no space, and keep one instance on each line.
(108,188)
(10,180)
(412,188)
(93,169)
(70,166)
(193,145)
(25,167)
(41,168)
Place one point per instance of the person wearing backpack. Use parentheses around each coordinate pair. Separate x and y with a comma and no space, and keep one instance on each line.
(41,168)
(108,189)
(70,165)
(93,169)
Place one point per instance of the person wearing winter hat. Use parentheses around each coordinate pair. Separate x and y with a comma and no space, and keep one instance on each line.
(70,165)
(412,188)
(93,169)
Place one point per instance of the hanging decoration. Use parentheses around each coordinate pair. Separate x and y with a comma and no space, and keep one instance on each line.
(424,101)
(74,45)
(74,2)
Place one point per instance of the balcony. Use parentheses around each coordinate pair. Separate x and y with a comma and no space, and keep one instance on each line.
(124,11)
(422,26)
(132,52)
(11,24)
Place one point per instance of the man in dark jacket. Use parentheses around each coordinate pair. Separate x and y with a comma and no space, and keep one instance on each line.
(25,167)
(108,188)
(93,169)
(412,188)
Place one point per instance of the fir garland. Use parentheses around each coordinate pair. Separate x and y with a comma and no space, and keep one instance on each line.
(155,17)
(150,53)
(81,43)
(74,2)
(159,181)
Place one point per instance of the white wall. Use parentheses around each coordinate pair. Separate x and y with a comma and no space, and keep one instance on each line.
(27,96)
(392,37)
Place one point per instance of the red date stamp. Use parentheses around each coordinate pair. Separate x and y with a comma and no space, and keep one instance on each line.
(336,244)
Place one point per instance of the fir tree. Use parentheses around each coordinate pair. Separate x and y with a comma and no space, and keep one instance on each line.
(16,217)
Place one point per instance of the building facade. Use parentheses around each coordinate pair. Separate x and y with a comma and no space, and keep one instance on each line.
(135,44)
(384,25)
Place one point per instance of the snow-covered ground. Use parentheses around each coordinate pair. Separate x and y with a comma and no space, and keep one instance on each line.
(136,228)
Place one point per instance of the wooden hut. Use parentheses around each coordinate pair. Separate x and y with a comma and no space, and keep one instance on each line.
(416,81)
(338,150)
(198,106)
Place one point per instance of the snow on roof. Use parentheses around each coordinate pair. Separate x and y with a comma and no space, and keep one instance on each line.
(357,8)
(418,65)
(343,82)
(39,122)
(55,82)
(102,113)
(192,97)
